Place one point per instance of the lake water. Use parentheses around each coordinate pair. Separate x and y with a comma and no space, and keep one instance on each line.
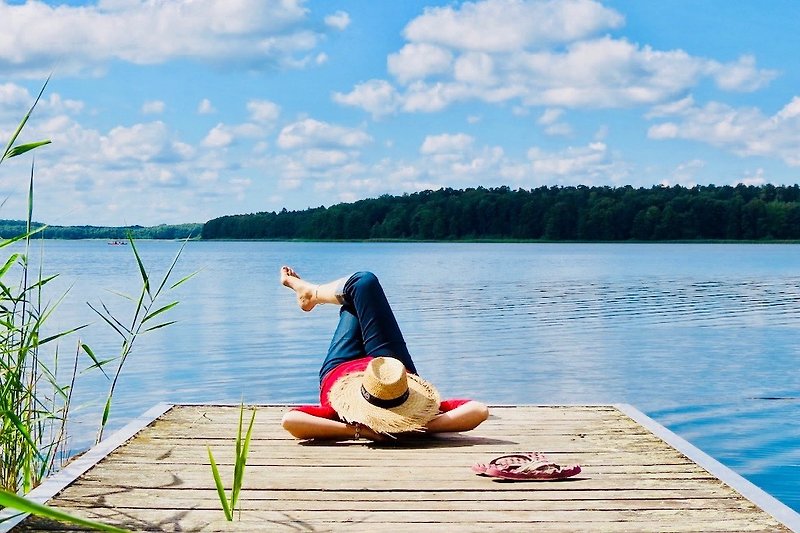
(703,338)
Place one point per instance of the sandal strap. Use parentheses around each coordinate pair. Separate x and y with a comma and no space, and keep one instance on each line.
(534,466)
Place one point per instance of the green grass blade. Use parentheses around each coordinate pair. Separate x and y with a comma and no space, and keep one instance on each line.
(108,320)
(241,459)
(237,464)
(22,148)
(220,489)
(30,199)
(120,294)
(51,378)
(22,236)
(183,280)
(142,270)
(22,123)
(159,326)
(17,423)
(62,334)
(93,357)
(11,260)
(111,316)
(159,311)
(42,282)
(171,267)
(8,499)
(106,412)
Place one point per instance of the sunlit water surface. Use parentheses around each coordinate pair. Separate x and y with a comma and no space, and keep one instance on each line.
(703,338)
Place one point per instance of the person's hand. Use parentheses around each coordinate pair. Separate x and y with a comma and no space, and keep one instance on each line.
(367,433)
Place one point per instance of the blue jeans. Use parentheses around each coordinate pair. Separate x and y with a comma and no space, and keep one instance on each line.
(366,326)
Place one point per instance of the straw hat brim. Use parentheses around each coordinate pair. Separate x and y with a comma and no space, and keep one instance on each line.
(420,408)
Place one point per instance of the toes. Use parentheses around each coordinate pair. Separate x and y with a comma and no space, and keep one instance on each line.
(289,271)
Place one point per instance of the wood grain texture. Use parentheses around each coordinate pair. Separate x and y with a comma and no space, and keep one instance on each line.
(631,481)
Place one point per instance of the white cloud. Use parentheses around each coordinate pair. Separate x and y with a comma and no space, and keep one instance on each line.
(587,165)
(205,107)
(446,143)
(15,100)
(35,36)
(377,97)
(316,158)
(14,97)
(558,129)
(339,20)
(421,96)
(789,111)
(417,61)
(476,68)
(756,178)
(671,108)
(140,142)
(263,110)
(744,131)
(218,137)
(153,107)
(116,176)
(537,53)
(550,116)
(550,120)
(686,173)
(310,133)
(742,75)
(508,25)
(223,135)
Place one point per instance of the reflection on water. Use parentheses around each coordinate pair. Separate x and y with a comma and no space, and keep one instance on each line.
(694,335)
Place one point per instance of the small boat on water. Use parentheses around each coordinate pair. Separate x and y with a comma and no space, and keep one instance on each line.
(117,243)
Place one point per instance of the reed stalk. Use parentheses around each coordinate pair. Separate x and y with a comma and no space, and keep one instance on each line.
(34,399)
(147,307)
(239,463)
(34,403)
(14,501)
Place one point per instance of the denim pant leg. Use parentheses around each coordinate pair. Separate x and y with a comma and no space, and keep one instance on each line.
(367,325)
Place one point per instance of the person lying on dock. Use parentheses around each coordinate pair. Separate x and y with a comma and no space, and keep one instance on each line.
(369,385)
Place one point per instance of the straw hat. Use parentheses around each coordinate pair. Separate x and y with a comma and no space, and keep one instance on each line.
(385,398)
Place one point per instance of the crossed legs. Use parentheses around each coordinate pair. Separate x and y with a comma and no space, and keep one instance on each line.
(367,326)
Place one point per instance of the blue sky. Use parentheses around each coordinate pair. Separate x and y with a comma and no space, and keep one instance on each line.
(168,111)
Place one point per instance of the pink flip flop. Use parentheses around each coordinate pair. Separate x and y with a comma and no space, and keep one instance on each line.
(543,470)
(508,460)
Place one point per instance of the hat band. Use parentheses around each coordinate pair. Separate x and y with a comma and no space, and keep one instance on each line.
(380,402)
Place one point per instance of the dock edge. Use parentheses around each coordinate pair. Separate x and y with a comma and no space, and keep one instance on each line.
(769,504)
(61,479)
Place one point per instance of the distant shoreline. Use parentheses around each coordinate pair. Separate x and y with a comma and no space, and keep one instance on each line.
(511,241)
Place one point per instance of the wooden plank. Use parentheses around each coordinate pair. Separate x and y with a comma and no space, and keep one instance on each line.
(93,491)
(190,519)
(632,480)
(207,499)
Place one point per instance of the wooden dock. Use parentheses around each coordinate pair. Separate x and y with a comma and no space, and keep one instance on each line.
(632,479)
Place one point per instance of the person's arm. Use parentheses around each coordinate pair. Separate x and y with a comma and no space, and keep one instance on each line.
(465,417)
(307,426)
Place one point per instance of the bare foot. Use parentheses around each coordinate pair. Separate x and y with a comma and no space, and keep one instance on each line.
(305,291)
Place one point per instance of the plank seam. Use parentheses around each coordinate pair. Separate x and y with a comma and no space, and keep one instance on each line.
(768,503)
(64,477)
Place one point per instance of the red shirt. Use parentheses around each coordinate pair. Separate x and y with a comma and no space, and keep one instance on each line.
(324,409)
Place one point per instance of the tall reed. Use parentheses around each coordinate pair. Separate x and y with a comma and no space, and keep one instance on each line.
(147,307)
(34,400)
(239,463)
(13,501)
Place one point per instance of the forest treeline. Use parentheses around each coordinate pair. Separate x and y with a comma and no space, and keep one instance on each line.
(545,213)
(12,228)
